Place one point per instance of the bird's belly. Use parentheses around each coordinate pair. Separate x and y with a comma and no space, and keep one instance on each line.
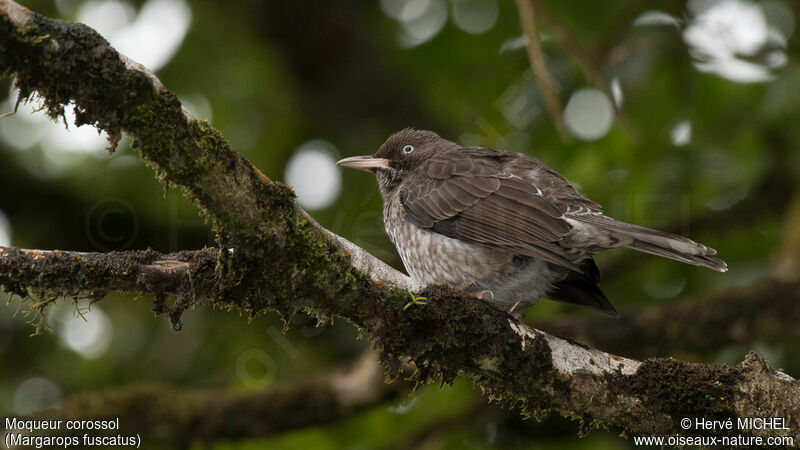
(433,258)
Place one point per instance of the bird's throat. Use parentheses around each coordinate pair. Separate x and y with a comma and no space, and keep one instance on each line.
(388,181)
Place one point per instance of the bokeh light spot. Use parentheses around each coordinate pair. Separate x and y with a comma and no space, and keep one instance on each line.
(425,26)
(664,289)
(514,43)
(107,17)
(89,337)
(728,199)
(726,27)
(405,10)
(681,133)
(404,406)
(151,38)
(589,114)
(475,16)
(255,368)
(29,127)
(656,18)
(723,33)
(313,174)
(780,17)
(199,105)
(616,92)
(36,394)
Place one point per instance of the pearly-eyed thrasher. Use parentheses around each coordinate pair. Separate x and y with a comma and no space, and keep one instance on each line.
(502,225)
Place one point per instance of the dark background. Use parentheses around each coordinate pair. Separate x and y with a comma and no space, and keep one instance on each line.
(704,143)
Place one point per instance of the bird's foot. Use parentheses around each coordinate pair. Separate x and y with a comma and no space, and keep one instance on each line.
(518,314)
(482,295)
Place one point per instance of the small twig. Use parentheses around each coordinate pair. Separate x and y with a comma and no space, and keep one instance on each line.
(586,61)
(631,47)
(786,263)
(543,78)
(619,25)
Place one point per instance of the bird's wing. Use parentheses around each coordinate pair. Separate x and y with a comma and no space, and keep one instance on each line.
(554,186)
(476,199)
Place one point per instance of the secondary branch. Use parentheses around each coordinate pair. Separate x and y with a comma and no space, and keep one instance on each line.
(183,416)
(48,275)
(539,66)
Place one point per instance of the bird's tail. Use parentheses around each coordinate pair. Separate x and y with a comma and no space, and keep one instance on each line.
(656,242)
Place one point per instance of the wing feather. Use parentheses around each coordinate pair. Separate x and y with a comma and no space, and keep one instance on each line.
(474,232)
(460,195)
(475,200)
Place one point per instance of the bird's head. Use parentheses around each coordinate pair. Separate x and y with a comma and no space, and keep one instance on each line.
(403,152)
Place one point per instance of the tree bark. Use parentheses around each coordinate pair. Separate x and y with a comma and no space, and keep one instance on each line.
(272,256)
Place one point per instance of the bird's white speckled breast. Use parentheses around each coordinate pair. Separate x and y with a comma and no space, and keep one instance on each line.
(433,258)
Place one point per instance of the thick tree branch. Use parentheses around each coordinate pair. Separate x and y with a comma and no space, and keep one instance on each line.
(271,257)
(766,311)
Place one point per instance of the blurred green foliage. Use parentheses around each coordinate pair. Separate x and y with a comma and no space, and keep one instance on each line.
(278,74)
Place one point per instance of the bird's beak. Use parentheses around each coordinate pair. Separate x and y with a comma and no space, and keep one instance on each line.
(365,163)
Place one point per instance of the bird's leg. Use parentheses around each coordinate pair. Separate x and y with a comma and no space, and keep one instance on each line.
(488,295)
(518,313)
(482,295)
(473,290)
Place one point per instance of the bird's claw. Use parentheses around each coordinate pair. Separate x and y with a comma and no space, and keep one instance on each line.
(482,295)
(516,313)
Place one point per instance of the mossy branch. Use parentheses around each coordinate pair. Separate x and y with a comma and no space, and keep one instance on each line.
(272,256)
(188,277)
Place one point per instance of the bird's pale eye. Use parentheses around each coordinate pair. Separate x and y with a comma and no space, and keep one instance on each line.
(408,149)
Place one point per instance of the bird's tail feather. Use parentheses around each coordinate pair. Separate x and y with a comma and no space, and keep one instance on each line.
(658,243)
(580,288)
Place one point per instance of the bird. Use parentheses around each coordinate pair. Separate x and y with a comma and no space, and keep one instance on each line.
(502,226)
